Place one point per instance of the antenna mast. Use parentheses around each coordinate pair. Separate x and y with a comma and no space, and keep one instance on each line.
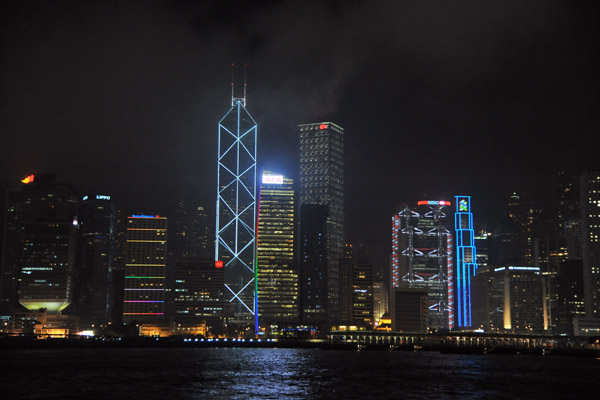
(232,83)
(245,84)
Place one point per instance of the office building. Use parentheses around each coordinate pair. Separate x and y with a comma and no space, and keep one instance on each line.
(277,272)
(322,183)
(466,260)
(509,299)
(362,295)
(39,246)
(422,257)
(570,297)
(197,291)
(189,232)
(409,309)
(145,269)
(95,262)
(236,213)
(313,260)
(345,285)
(590,224)
(380,300)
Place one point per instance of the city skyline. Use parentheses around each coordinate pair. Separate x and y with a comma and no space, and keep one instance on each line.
(93,94)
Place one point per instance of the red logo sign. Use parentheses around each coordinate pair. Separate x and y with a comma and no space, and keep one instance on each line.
(28,179)
(219,264)
(323,126)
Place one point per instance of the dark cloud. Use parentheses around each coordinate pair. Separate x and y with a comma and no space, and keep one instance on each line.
(436,97)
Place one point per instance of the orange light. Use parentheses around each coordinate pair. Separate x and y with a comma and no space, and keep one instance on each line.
(219,264)
(28,179)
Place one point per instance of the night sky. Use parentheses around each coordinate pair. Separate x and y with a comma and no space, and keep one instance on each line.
(436,98)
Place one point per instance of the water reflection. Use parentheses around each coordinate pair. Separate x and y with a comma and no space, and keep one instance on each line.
(290,374)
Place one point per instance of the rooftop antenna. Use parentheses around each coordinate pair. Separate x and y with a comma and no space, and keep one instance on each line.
(233,98)
(245,84)
(232,83)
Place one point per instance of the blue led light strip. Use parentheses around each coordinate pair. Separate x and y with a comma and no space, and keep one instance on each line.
(466,264)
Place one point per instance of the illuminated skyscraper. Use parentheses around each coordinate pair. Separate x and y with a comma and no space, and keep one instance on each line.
(322,182)
(39,246)
(277,273)
(466,260)
(422,258)
(145,268)
(235,244)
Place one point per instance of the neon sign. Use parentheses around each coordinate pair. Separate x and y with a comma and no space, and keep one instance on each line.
(323,126)
(84,198)
(463,205)
(28,179)
(144,216)
(434,203)
(219,264)
(102,197)
(272,179)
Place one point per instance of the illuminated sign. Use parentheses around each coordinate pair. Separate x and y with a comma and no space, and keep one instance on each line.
(434,203)
(272,179)
(323,126)
(144,216)
(219,264)
(102,197)
(28,179)
(84,198)
(463,205)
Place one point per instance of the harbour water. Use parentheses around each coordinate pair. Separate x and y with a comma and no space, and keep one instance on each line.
(278,373)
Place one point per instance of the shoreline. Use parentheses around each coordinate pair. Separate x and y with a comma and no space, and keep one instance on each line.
(31,343)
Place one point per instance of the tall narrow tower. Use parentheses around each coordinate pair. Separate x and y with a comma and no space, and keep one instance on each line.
(235,245)
(466,259)
(322,183)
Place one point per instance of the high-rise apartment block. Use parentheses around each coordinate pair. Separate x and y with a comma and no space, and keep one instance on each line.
(145,268)
(322,183)
(277,272)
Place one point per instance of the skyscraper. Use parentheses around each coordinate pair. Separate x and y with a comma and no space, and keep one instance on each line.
(509,298)
(277,272)
(466,259)
(39,246)
(197,292)
(313,264)
(422,257)
(235,245)
(98,230)
(322,182)
(145,268)
(189,232)
(590,223)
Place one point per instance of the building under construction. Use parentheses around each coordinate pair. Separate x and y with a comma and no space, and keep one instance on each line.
(422,257)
